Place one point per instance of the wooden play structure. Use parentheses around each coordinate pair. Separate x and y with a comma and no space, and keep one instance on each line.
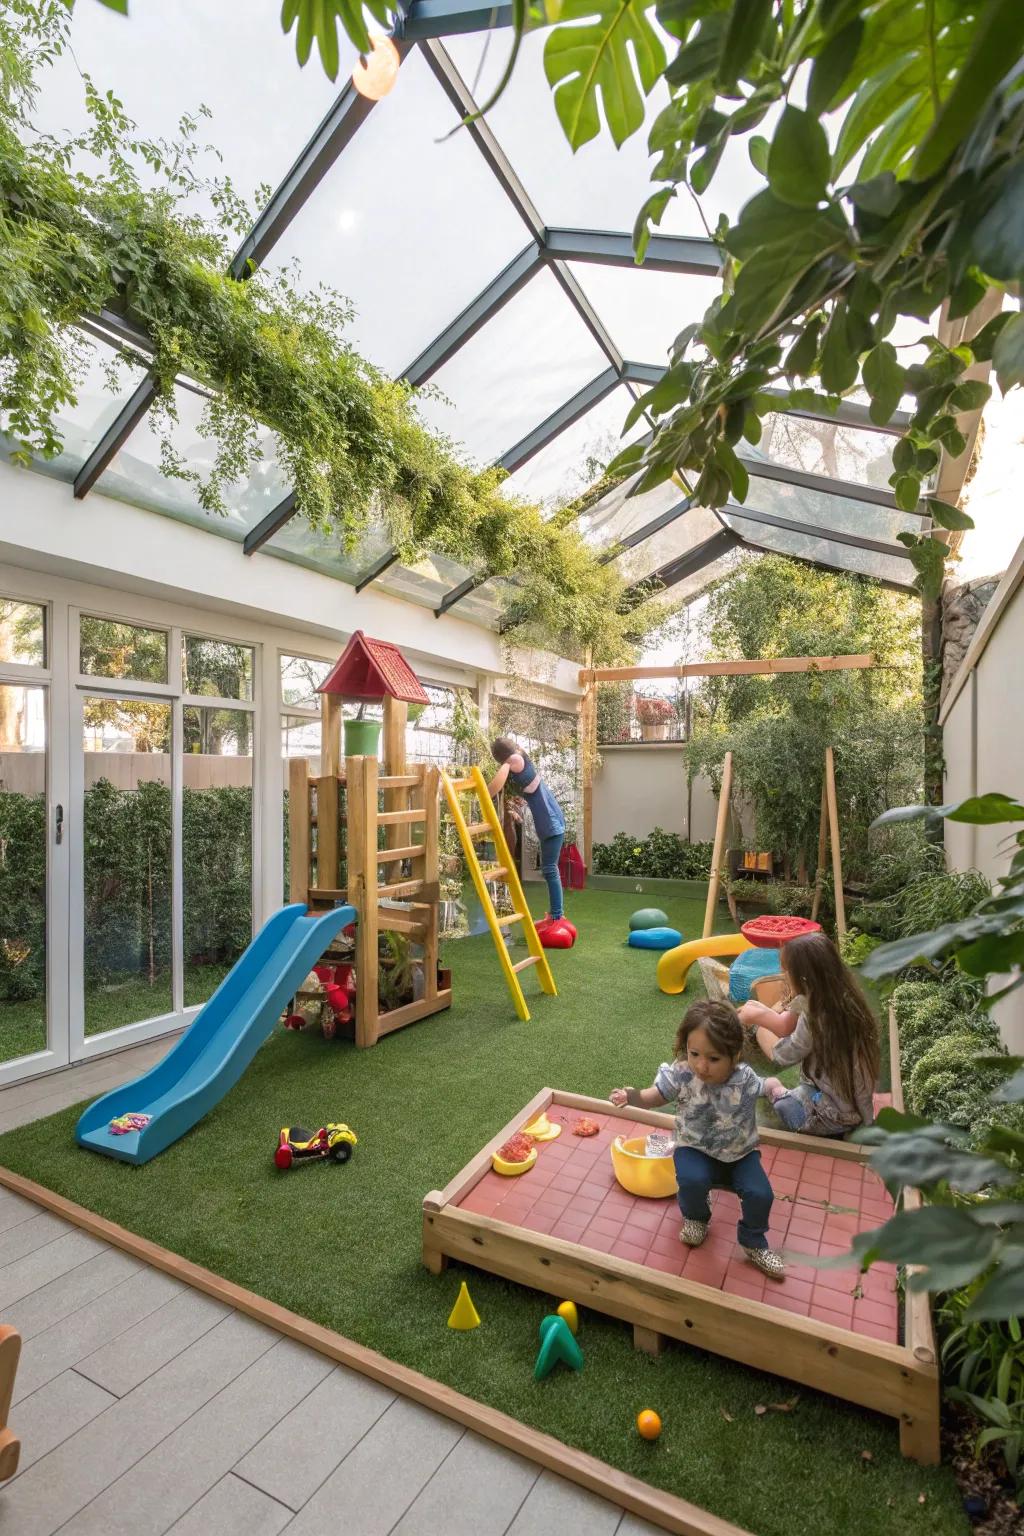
(10,1354)
(335,822)
(838,1332)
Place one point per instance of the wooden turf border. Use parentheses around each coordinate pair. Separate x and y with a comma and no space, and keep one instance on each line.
(653,1504)
(901,1380)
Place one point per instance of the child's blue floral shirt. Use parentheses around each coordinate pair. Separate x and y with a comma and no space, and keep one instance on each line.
(717,1118)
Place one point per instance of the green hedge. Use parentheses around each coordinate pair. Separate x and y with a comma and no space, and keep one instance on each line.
(127,843)
(659,856)
(942,1029)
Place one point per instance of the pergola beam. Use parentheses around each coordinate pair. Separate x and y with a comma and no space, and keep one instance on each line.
(115,437)
(607,248)
(269,525)
(385,563)
(456,594)
(476,314)
(764,668)
(788,475)
(813,531)
(688,564)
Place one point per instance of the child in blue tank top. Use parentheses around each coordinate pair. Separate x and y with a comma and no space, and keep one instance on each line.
(549,823)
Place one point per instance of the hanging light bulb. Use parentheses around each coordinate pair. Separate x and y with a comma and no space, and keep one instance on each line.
(375,74)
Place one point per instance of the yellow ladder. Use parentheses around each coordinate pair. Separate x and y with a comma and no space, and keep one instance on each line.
(490,827)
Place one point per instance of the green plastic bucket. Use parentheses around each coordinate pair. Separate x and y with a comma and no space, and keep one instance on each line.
(362,737)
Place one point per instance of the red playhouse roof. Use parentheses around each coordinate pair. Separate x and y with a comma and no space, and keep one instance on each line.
(373,669)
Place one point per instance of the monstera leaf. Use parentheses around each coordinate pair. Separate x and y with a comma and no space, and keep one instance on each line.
(608,44)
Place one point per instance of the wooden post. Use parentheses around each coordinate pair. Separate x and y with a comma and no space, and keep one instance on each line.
(10,1353)
(428,795)
(330,733)
(588,748)
(833,832)
(719,849)
(327,845)
(298,829)
(361,780)
(396,716)
(819,868)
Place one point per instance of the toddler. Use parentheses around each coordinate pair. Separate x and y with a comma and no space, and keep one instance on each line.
(716,1128)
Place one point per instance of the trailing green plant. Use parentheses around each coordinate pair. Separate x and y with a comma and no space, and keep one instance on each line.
(948,1084)
(926,902)
(660,855)
(75,242)
(614,711)
(854,946)
(776,896)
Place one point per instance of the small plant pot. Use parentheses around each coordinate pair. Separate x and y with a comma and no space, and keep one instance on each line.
(362,737)
(658,731)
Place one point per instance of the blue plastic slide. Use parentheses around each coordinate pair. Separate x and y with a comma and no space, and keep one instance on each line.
(220,1042)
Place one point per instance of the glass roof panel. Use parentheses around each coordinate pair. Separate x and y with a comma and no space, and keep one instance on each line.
(229,57)
(83,424)
(426,582)
(135,474)
(644,311)
(410,224)
(824,448)
(486,605)
(812,546)
(523,364)
(691,586)
(577,457)
(805,505)
(675,539)
(618,514)
(305,545)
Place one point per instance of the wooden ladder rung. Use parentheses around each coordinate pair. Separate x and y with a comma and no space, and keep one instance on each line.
(475,828)
(398,781)
(401,889)
(395,855)
(506,922)
(397,818)
(494,874)
(521,965)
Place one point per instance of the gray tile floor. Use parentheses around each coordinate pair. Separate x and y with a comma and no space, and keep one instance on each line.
(145,1407)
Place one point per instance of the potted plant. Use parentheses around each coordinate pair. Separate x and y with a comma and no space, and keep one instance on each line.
(654,714)
(362,736)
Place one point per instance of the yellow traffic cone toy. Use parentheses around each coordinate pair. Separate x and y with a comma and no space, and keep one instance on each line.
(464,1315)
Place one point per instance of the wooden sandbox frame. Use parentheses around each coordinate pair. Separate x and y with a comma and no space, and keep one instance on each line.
(901,1380)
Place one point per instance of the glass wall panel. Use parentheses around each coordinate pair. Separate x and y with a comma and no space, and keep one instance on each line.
(216,668)
(22,633)
(812,545)
(824,448)
(618,514)
(321,551)
(216,844)
(410,224)
(115,650)
(644,311)
(675,539)
(426,582)
(823,510)
(300,678)
(23,845)
(127,860)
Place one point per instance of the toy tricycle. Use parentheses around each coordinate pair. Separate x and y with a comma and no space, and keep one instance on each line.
(331,1140)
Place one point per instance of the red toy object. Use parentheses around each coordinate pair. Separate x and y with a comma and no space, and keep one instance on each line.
(324,973)
(772,932)
(295,1021)
(586,1128)
(571,868)
(517,1149)
(556,933)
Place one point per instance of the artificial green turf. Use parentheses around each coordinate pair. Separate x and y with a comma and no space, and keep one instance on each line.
(342,1244)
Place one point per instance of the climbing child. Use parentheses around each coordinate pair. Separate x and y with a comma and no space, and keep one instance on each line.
(716,1128)
(829,1028)
(548,821)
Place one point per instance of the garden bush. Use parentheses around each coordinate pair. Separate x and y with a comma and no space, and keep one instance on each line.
(950,1086)
(780,897)
(659,856)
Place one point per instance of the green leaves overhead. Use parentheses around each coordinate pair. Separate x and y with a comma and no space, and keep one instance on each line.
(319,19)
(995,51)
(596,59)
(798,159)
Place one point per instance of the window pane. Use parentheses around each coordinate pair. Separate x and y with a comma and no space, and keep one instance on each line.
(426,582)
(300,679)
(111,649)
(619,514)
(812,546)
(22,633)
(23,843)
(645,311)
(216,844)
(824,510)
(675,539)
(321,551)
(127,861)
(216,667)
(577,457)
(300,737)
(824,448)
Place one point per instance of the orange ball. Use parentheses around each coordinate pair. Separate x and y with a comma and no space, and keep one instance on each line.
(648,1424)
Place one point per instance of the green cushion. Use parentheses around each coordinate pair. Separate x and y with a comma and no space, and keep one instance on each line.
(648,917)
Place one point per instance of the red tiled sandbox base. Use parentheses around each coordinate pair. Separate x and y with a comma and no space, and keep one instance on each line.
(571,1192)
(567,1228)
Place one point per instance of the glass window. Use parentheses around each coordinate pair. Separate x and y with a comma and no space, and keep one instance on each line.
(23,842)
(618,514)
(669,543)
(112,649)
(22,633)
(321,551)
(426,582)
(410,223)
(644,311)
(824,448)
(577,457)
(217,668)
(216,844)
(815,545)
(300,737)
(803,504)
(531,358)
(300,679)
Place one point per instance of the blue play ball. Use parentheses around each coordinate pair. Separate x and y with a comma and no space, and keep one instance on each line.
(655,938)
(748,968)
(648,917)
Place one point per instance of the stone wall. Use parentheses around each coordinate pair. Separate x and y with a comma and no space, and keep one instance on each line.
(962,608)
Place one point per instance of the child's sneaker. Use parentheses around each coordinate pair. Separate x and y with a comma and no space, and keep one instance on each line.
(767,1261)
(693,1233)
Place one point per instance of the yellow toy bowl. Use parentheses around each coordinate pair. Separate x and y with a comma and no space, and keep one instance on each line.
(511,1169)
(654,1177)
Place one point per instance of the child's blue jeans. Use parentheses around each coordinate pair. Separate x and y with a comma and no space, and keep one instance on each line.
(697,1174)
(550,848)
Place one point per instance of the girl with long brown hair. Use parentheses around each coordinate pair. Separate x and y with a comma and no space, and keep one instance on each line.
(832,1033)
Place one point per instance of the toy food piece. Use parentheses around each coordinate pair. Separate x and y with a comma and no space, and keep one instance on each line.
(567,1309)
(648,917)
(516,1156)
(557,1346)
(653,1178)
(654,938)
(541,1129)
(648,1424)
(586,1127)
(769,932)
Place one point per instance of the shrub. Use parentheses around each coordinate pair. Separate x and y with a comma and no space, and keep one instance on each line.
(659,856)
(928,901)
(781,898)
(948,1085)
(854,946)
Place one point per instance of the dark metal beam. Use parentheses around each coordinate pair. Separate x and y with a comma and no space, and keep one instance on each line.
(606,248)
(383,564)
(445,18)
(815,531)
(582,401)
(655,525)
(476,314)
(694,560)
(822,565)
(115,437)
(850,413)
(269,525)
(456,594)
(848,489)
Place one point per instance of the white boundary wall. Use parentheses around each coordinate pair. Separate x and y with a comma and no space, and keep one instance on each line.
(643,786)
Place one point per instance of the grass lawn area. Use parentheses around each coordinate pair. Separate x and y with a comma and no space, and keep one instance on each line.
(342,1244)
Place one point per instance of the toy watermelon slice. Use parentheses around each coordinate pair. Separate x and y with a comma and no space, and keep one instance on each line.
(771,932)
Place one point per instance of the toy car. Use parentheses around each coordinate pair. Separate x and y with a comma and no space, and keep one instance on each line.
(331,1140)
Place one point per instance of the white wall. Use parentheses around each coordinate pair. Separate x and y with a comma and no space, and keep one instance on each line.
(983,744)
(638,788)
